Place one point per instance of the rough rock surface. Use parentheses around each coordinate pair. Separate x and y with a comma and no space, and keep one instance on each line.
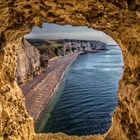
(28,61)
(15,123)
(118,18)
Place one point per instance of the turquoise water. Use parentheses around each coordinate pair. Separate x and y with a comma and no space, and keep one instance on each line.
(87,94)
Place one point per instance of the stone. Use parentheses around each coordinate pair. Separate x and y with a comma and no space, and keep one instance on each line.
(28,62)
(83,44)
(118,18)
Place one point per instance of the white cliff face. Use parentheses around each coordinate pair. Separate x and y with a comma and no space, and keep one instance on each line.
(86,44)
(28,61)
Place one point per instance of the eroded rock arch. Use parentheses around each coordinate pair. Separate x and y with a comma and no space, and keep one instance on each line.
(119,19)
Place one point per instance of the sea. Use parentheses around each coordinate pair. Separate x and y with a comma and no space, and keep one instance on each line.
(87,94)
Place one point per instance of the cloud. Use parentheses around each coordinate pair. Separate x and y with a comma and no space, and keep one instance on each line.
(53,31)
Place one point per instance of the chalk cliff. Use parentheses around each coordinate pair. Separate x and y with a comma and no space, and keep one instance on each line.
(83,44)
(118,18)
(28,61)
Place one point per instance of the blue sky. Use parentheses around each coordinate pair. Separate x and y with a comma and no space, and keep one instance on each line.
(54,31)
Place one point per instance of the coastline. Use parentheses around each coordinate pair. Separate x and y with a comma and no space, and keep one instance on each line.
(61,77)
(38,98)
(44,114)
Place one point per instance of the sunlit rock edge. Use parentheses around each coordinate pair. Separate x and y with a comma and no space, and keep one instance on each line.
(119,19)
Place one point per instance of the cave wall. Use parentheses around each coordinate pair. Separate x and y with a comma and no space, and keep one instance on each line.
(118,18)
(15,123)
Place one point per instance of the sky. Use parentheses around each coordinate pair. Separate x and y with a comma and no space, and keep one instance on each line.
(54,31)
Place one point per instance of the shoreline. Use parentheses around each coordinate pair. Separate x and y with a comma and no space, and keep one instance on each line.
(62,75)
(59,81)
(48,107)
(40,95)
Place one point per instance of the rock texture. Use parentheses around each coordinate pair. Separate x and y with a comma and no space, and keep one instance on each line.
(118,18)
(28,62)
(81,45)
(15,123)
(61,136)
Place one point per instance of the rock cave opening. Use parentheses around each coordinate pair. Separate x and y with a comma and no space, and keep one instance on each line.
(119,19)
(88,106)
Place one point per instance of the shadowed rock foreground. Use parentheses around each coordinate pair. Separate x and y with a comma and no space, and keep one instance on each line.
(61,136)
(119,19)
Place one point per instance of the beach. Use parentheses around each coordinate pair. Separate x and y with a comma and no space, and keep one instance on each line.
(39,91)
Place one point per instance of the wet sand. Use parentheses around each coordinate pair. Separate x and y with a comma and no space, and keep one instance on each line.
(39,91)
